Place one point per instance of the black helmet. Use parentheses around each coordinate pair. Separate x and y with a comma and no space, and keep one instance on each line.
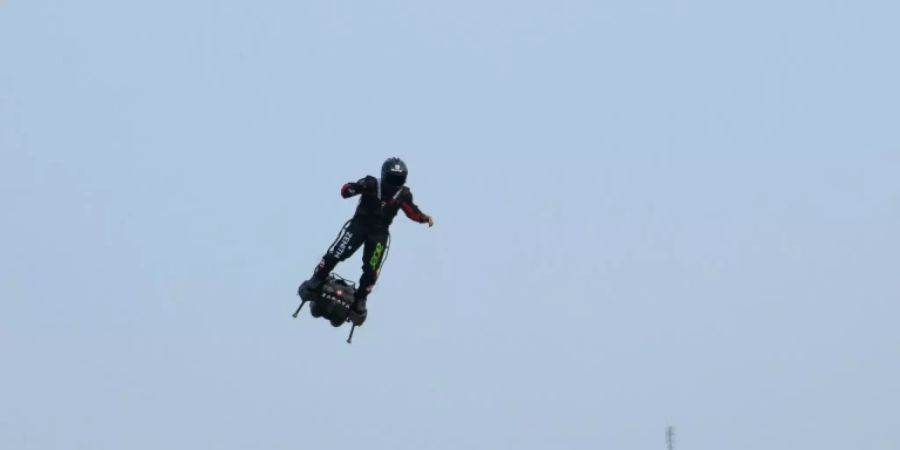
(393,172)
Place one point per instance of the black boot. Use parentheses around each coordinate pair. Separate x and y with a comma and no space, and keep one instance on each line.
(310,287)
(315,282)
(359,306)
(358,311)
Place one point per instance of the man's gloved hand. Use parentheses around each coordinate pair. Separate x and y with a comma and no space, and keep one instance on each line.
(429,221)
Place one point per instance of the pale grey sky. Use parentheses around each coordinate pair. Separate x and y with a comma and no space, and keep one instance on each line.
(647,214)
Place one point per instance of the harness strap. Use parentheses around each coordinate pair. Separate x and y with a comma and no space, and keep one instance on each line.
(396,195)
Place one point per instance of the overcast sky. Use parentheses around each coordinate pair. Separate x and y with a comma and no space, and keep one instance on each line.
(648,213)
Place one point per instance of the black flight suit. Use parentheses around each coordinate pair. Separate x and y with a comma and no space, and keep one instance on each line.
(378,205)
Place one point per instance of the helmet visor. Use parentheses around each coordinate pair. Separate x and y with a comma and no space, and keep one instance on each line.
(394,179)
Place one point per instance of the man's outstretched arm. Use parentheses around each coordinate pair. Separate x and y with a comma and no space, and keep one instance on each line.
(413,212)
(355,187)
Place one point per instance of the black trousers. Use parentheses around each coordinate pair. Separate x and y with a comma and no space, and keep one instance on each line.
(353,235)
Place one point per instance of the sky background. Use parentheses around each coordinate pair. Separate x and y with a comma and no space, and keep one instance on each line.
(648,213)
